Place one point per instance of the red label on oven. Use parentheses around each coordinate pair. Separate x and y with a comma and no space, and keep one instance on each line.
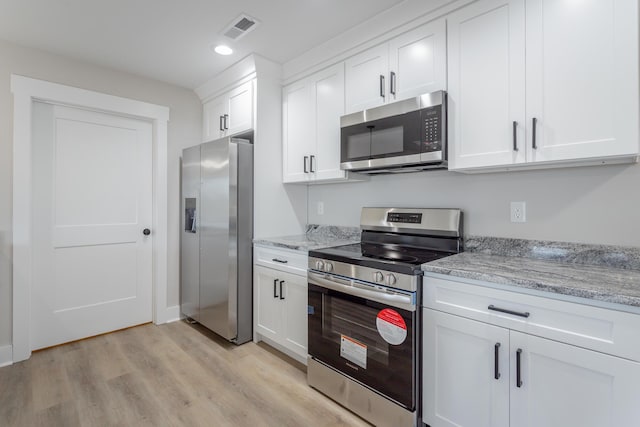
(391,326)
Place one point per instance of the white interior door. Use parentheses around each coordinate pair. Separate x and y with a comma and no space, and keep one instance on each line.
(92,199)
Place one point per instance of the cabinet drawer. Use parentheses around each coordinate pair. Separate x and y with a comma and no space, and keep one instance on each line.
(281,259)
(609,331)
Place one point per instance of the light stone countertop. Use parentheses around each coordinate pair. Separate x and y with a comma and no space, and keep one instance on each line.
(602,273)
(317,236)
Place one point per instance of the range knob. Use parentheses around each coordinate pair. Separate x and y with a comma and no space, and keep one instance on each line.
(328,267)
(391,279)
(378,277)
(319,265)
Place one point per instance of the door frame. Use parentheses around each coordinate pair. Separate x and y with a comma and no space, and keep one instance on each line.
(26,91)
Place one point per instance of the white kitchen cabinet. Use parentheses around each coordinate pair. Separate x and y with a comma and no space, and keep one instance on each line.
(460,387)
(486,84)
(525,91)
(582,78)
(280,300)
(366,78)
(267,308)
(408,65)
(229,114)
(542,381)
(297,131)
(564,385)
(213,120)
(311,128)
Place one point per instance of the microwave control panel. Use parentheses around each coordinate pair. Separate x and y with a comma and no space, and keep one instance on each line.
(432,128)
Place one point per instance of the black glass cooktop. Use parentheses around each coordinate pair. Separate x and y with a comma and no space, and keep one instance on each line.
(401,259)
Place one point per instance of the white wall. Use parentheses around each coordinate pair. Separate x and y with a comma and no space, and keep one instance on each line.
(185,129)
(599,204)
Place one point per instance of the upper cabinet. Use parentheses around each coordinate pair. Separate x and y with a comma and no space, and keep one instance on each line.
(408,65)
(311,128)
(572,97)
(229,114)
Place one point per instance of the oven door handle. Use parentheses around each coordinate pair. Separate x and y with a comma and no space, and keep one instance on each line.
(397,300)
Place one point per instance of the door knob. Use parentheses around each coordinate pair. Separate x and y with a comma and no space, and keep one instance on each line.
(146,231)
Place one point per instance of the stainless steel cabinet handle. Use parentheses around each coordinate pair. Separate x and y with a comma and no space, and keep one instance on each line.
(382,86)
(392,89)
(311,164)
(515,136)
(306,159)
(226,122)
(281,261)
(221,123)
(275,291)
(281,294)
(534,123)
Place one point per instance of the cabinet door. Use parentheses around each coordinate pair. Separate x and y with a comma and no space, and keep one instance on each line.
(268,309)
(294,326)
(363,79)
(486,83)
(298,131)
(582,78)
(212,121)
(563,385)
(240,109)
(328,96)
(459,384)
(418,61)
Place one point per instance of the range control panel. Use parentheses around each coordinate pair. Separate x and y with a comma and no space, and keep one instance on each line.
(405,218)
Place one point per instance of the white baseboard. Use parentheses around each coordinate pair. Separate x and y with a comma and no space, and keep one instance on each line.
(173,314)
(6,355)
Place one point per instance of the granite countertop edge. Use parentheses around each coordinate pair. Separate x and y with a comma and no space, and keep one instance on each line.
(551,277)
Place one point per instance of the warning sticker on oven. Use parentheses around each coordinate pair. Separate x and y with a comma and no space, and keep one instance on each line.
(354,351)
(391,326)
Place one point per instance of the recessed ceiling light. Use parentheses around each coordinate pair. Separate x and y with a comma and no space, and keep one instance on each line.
(223,50)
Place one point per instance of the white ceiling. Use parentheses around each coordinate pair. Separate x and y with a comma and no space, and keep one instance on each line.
(169,40)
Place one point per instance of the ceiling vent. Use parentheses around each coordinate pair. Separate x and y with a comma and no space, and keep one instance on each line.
(240,27)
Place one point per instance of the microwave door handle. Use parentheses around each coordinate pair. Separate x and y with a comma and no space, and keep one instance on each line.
(393,300)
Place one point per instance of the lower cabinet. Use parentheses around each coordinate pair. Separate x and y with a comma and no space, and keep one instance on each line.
(280,310)
(476,374)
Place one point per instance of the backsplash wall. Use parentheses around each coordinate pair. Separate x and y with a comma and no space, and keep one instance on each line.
(599,204)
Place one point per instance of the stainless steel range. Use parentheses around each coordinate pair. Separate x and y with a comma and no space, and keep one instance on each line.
(364,311)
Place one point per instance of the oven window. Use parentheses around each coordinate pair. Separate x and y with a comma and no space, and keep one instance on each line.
(344,334)
(341,318)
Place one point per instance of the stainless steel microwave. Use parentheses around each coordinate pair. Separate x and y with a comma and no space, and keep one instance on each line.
(404,136)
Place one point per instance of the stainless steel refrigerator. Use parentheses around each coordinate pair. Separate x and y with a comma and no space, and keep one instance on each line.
(217,237)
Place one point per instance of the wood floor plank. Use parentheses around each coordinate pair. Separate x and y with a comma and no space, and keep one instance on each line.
(16,401)
(170,375)
(50,385)
(62,414)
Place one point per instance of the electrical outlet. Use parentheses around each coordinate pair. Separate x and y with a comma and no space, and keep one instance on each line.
(518,212)
(320,208)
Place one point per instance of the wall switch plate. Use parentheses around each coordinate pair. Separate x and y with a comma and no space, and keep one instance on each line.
(518,212)
(320,208)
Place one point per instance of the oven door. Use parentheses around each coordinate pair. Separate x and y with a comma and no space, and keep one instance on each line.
(366,333)
(387,141)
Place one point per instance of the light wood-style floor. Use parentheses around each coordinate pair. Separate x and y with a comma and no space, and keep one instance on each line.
(169,375)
